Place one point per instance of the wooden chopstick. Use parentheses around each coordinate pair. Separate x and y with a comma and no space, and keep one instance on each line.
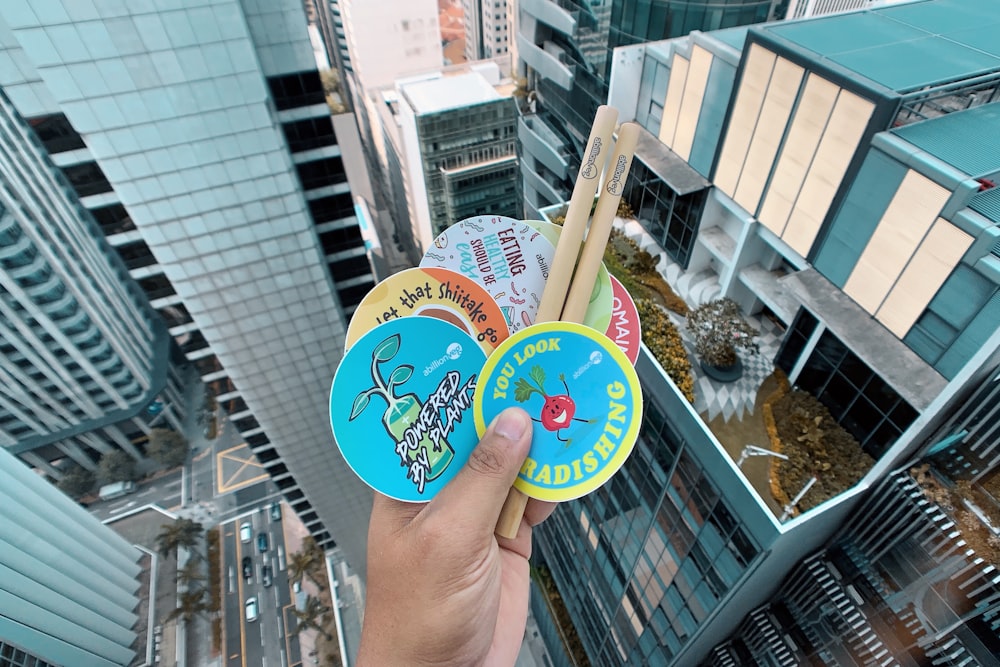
(561,271)
(568,247)
(589,264)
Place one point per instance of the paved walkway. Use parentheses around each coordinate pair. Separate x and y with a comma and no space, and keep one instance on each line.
(712,398)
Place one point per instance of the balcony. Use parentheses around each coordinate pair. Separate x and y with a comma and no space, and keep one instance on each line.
(549,61)
(539,140)
(553,15)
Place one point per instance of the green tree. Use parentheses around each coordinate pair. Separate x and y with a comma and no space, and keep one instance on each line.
(311,617)
(117,466)
(180,533)
(190,574)
(308,562)
(191,604)
(718,328)
(78,481)
(166,446)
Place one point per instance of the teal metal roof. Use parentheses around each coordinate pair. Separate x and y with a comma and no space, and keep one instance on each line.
(987,203)
(734,37)
(967,140)
(905,47)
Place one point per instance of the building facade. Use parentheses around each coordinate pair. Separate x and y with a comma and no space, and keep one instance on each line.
(84,354)
(564,54)
(486,29)
(207,129)
(852,201)
(69,587)
(456,132)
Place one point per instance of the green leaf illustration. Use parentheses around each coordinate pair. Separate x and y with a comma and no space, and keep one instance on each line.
(523,390)
(538,375)
(360,403)
(400,375)
(387,349)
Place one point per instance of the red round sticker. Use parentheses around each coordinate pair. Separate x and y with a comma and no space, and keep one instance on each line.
(624,329)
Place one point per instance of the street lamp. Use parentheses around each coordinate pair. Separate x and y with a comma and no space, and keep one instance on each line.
(754,450)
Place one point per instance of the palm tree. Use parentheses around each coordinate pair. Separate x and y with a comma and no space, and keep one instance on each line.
(303,564)
(181,533)
(190,573)
(191,604)
(308,561)
(311,617)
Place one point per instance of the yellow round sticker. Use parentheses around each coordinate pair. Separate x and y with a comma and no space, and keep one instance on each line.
(583,396)
(432,292)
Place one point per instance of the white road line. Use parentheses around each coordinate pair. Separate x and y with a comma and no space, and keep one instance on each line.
(281,558)
(231,580)
(284,661)
(281,629)
(262,638)
(276,602)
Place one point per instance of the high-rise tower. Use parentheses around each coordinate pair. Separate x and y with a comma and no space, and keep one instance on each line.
(200,132)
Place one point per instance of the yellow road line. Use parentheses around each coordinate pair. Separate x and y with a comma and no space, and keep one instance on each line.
(242,604)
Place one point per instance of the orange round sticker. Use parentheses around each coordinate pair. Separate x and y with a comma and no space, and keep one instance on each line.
(432,292)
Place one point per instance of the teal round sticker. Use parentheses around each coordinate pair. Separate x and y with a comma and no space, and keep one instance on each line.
(401,405)
(583,396)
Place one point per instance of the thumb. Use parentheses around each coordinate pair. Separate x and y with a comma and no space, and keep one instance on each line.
(477,493)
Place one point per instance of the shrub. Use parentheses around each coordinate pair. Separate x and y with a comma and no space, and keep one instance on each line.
(664,341)
(816,446)
(718,328)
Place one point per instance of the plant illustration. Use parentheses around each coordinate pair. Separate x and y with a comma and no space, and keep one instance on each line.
(425,458)
(557,411)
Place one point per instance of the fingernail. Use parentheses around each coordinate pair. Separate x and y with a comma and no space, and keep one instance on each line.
(511,424)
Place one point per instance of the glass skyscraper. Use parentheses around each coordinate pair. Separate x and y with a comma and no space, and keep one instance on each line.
(198,136)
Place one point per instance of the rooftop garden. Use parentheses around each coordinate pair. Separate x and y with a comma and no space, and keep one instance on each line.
(785,421)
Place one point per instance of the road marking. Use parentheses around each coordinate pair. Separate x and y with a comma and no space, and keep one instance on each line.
(242,603)
(262,638)
(231,582)
(284,659)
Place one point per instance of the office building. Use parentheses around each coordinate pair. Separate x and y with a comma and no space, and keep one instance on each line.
(69,587)
(486,28)
(847,198)
(452,133)
(564,53)
(207,130)
(84,356)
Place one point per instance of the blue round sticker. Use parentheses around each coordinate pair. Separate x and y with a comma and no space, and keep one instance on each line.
(401,405)
(583,395)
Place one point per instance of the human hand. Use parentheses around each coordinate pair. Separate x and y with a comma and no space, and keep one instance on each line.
(442,588)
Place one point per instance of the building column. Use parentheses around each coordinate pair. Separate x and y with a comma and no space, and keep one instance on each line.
(73,450)
(33,459)
(126,445)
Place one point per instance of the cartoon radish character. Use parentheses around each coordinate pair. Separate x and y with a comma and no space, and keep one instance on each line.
(558,410)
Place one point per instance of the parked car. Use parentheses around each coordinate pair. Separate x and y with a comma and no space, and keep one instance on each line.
(265,575)
(275,511)
(247,568)
(251,609)
(116,490)
(246,532)
(262,542)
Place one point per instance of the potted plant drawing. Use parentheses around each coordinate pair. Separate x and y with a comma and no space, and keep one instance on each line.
(719,329)
(425,457)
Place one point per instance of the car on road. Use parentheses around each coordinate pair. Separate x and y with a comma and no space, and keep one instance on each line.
(275,511)
(116,490)
(246,532)
(265,575)
(247,568)
(251,609)
(262,542)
